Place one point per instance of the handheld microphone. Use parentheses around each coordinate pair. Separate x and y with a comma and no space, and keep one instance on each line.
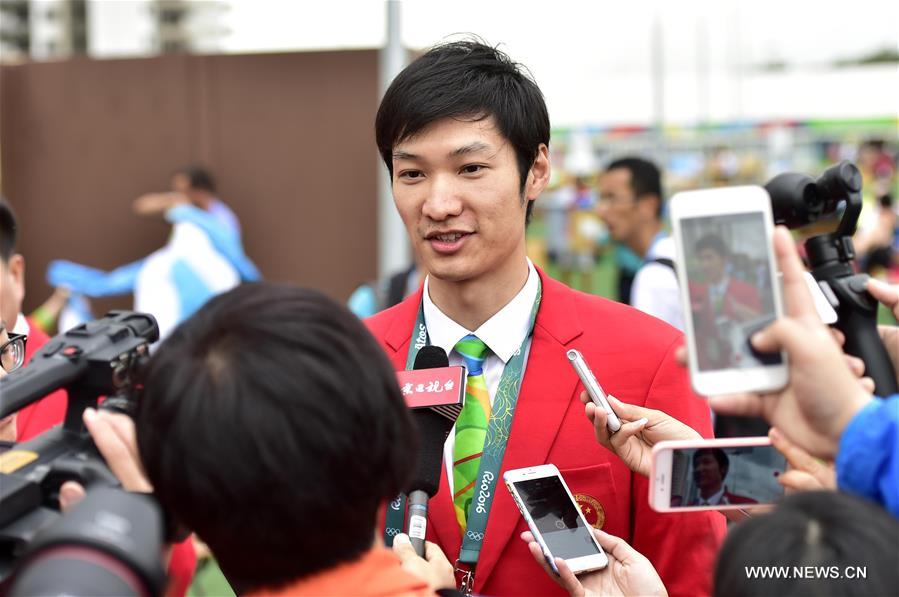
(434,423)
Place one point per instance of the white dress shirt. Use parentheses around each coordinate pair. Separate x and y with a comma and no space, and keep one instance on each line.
(714,499)
(503,334)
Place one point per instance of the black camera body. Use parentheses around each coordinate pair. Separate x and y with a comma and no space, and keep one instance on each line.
(92,360)
(798,200)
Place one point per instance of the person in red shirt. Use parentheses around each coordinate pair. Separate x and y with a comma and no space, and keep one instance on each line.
(39,416)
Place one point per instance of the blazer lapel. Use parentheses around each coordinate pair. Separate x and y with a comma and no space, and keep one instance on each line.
(546,393)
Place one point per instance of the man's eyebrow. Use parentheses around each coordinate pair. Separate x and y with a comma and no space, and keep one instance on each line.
(475,147)
(404,155)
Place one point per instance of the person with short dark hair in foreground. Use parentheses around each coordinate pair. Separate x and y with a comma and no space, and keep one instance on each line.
(272,425)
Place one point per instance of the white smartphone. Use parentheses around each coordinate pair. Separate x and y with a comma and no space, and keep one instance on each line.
(715,474)
(729,288)
(594,390)
(554,518)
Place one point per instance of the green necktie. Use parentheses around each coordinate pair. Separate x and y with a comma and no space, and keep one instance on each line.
(471,427)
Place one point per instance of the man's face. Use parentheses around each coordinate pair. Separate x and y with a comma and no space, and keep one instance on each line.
(12,288)
(618,207)
(707,473)
(457,188)
(711,264)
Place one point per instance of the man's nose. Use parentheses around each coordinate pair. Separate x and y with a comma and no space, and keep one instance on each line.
(444,199)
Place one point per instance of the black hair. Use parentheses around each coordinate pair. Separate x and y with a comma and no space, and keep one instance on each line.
(841,538)
(720,456)
(713,242)
(8,230)
(465,80)
(272,425)
(200,178)
(646,180)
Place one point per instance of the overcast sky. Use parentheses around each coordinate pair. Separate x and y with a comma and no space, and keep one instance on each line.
(598,53)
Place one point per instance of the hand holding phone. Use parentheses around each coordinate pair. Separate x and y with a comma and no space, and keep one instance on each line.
(554,518)
(628,572)
(641,429)
(594,390)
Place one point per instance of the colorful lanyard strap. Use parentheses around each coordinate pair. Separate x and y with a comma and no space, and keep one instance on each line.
(494,446)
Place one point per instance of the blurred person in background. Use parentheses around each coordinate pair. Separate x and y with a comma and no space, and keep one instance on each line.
(464,134)
(631,203)
(204,256)
(382,294)
(39,416)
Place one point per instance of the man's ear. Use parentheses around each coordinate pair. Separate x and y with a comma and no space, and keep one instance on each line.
(16,268)
(649,205)
(538,176)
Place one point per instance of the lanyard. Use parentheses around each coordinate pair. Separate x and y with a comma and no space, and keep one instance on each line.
(494,445)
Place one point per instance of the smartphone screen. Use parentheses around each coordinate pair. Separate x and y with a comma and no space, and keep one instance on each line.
(730,289)
(722,476)
(556,518)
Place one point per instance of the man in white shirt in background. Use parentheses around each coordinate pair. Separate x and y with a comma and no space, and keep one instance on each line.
(630,204)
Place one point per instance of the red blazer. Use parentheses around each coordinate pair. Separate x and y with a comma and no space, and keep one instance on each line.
(632,356)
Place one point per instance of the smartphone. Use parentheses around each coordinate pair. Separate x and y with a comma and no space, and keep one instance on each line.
(715,474)
(554,518)
(729,288)
(594,390)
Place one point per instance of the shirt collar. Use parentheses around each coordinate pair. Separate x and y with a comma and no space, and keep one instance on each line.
(21,326)
(715,498)
(503,333)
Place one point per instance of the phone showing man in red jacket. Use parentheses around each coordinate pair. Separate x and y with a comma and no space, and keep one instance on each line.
(464,133)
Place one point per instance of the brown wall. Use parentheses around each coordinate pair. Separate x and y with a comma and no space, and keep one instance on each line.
(288,136)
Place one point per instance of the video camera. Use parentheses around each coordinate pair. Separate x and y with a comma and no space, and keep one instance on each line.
(798,200)
(92,360)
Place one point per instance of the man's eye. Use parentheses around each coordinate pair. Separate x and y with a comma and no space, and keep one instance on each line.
(410,174)
(472,168)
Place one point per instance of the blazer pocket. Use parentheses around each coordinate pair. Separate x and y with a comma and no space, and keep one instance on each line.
(593,488)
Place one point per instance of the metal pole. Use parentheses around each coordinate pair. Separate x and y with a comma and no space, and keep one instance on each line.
(393,247)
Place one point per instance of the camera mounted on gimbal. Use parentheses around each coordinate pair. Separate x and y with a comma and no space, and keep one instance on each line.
(92,360)
(798,200)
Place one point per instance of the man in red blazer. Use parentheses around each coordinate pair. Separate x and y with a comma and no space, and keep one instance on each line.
(710,466)
(720,303)
(464,134)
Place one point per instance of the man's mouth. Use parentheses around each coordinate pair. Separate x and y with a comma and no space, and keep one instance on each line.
(447,242)
(448,238)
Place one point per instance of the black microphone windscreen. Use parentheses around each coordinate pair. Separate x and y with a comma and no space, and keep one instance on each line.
(433,429)
(431,357)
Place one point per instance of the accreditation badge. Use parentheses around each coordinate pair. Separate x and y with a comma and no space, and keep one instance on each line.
(592,509)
